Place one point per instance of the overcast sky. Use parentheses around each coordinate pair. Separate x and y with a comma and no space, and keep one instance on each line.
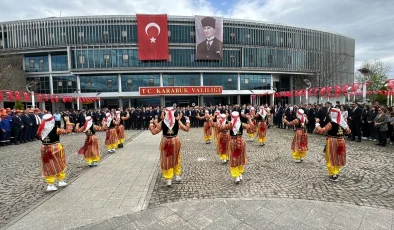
(369,22)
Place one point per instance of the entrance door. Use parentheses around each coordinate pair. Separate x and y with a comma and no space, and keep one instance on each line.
(183,103)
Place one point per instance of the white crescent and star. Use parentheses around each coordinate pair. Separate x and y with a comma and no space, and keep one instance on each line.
(152,24)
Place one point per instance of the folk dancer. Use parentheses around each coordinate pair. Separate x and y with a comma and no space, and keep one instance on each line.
(252,130)
(90,150)
(5,128)
(335,148)
(299,146)
(216,117)
(261,120)
(53,159)
(111,139)
(207,126)
(223,141)
(237,145)
(120,129)
(170,145)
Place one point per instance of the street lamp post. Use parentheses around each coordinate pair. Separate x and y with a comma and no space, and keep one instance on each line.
(30,88)
(99,103)
(76,92)
(348,94)
(365,72)
(306,91)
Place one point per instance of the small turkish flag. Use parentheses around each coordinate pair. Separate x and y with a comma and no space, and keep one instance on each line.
(152,37)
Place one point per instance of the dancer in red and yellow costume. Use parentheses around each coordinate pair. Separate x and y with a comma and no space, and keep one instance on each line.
(120,129)
(237,145)
(335,143)
(261,119)
(53,159)
(299,146)
(223,138)
(216,117)
(252,130)
(207,126)
(170,145)
(111,139)
(90,150)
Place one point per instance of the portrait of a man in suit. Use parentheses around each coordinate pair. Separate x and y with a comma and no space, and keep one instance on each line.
(211,48)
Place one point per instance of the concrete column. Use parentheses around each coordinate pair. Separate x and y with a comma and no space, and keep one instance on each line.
(291,89)
(162,101)
(95,104)
(120,102)
(161,79)
(239,82)
(79,90)
(42,106)
(69,57)
(201,79)
(129,102)
(201,101)
(119,83)
(228,100)
(239,99)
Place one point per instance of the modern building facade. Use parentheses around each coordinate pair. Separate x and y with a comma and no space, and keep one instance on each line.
(98,57)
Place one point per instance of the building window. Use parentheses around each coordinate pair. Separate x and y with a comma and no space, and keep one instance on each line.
(264,80)
(109,83)
(246,81)
(169,58)
(251,58)
(129,82)
(151,82)
(232,36)
(60,83)
(105,35)
(125,58)
(230,81)
(210,81)
(192,34)
(106,59)
(192,81)
(80,34)
(267,38)
(41,63)
(124,33)
(270,59)
(69,83)
(51,36)
(247,35)
(171,81)
(31,63)
(192,57)
(281,39)
(232,59)
(289,60)
(81,59)
(169,34)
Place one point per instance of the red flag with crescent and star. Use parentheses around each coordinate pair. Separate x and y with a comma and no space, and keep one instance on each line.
(152,37)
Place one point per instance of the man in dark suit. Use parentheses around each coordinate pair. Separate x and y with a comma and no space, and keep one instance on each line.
(211,48)
(17,126)
(355,117)
(27,126)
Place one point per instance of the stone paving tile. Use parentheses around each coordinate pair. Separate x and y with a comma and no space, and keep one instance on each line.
(367,180)
(21,184)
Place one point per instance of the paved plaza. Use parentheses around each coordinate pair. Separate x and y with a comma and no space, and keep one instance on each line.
(276,192)
(21,183)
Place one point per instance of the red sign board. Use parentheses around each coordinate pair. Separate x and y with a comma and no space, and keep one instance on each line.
(181,90)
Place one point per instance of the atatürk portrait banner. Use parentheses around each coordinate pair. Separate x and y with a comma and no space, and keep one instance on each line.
(209,38)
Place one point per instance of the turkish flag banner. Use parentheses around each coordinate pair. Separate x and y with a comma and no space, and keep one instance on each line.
(152,37)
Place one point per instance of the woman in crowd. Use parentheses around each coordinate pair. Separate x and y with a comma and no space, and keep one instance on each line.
(381,124)
(365,125)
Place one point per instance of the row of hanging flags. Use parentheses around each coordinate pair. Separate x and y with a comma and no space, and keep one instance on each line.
(335,91)
(25,96)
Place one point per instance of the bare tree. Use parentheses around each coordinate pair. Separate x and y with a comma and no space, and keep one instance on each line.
(12,75)
(377,78)
(331,69)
